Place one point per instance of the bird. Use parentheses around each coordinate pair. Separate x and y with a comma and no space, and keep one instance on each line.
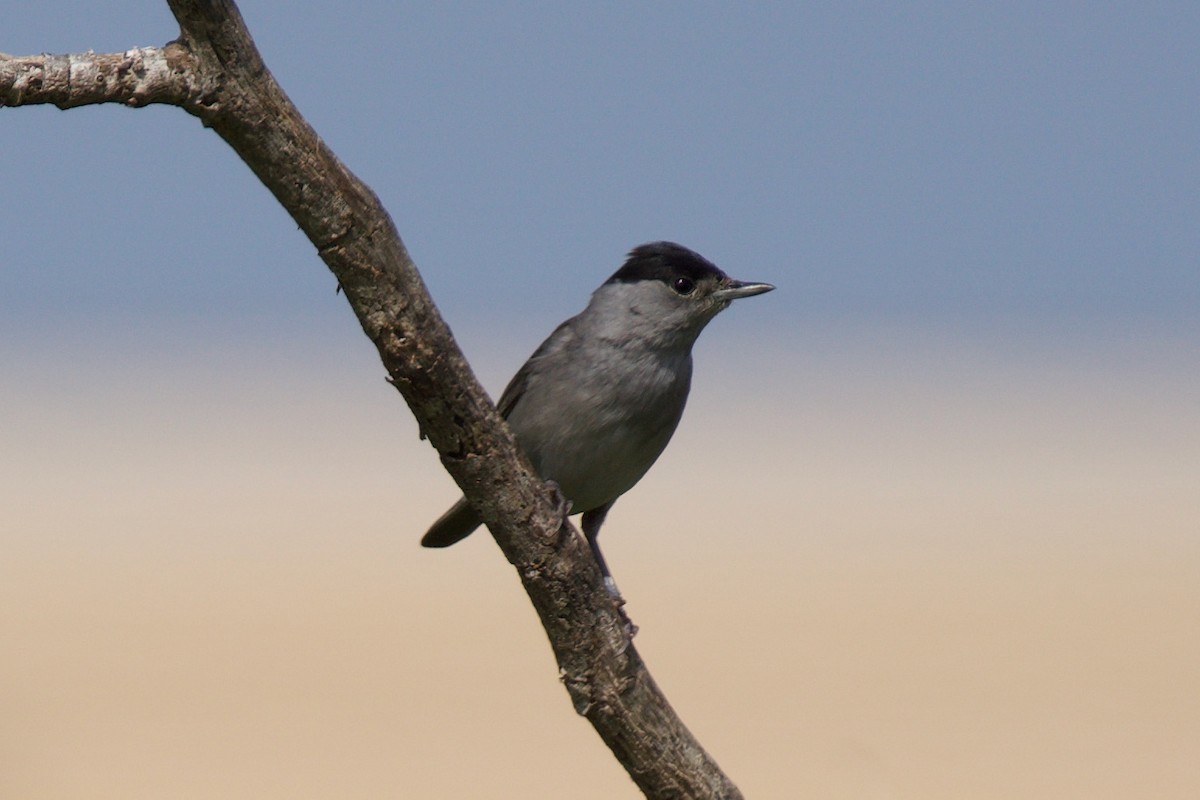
(596,404)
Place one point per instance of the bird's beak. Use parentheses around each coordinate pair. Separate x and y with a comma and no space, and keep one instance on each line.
(736,289)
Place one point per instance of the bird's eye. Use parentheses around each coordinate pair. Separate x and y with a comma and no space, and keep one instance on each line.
(684,285)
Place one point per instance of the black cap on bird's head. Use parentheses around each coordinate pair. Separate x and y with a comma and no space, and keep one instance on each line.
(665,261)
(682,270)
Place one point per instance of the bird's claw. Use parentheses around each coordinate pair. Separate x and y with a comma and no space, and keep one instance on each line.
(630,629)
(613,591)
(619,602)
(561,503)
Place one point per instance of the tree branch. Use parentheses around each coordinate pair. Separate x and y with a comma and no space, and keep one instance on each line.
(214,71)
(136,77)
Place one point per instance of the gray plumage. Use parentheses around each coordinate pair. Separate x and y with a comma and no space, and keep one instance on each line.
(597,402)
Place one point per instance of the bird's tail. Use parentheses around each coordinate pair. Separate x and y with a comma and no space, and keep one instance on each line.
(455,524)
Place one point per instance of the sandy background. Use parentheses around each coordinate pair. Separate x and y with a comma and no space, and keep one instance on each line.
(930,528)
(944,572)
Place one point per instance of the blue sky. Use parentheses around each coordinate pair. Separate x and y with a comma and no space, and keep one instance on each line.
(995,204)
(946,164)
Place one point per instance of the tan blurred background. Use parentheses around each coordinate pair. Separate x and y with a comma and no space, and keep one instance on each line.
(904,568)
(930,528)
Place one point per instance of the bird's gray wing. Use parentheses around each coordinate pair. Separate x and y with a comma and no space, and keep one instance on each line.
(517,386)
(514,390)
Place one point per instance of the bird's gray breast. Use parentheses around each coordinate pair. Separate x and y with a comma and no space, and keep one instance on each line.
(595,416)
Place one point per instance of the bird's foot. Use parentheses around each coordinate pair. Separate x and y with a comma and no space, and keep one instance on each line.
(561,503)
(630,629)
(619,602)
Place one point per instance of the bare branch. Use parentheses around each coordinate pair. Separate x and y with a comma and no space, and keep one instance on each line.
(215,72)
(136,77)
